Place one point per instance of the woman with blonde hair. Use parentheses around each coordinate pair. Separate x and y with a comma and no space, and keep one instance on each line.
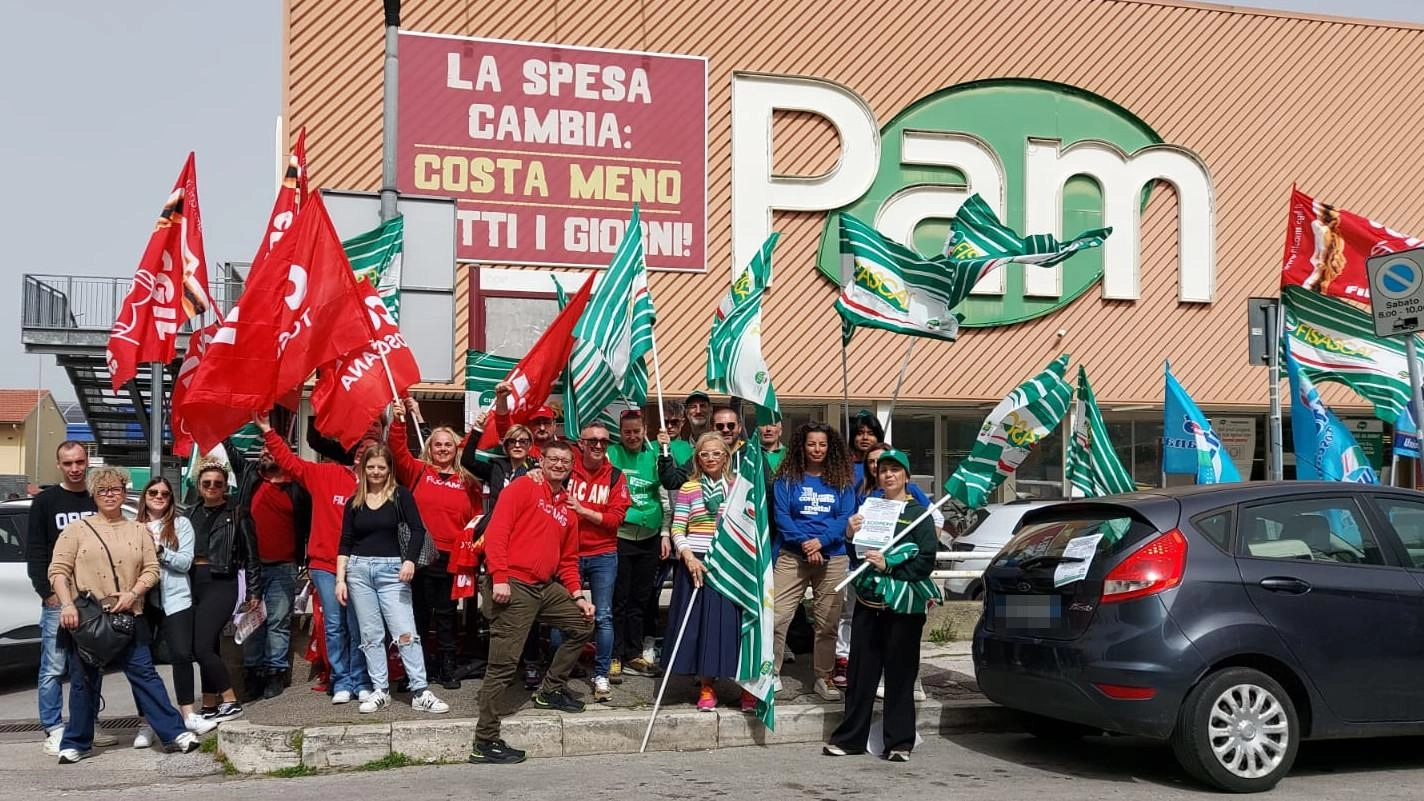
(373,574)
(710,642)
(169,607)
(112,560)
(448,496)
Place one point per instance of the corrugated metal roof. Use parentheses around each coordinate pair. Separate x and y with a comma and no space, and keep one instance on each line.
(1264,98)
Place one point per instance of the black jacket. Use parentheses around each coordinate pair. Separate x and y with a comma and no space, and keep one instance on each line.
(230,548)
(496,473)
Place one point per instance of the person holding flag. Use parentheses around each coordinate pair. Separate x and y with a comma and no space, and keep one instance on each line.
(889,618)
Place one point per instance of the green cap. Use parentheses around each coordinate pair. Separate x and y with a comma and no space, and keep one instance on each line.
(898,457)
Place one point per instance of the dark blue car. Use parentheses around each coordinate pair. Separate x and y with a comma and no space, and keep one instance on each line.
(1231,620)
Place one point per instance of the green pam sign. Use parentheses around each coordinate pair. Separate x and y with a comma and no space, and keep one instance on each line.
(1046,157)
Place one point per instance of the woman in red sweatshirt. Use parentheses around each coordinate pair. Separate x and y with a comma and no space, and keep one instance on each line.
(448,496)
(330,485)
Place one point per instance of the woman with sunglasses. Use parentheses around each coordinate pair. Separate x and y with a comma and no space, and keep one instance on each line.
(710,645)
(169,607)
(814,499)
(447,495)
(221,549)
(889,618)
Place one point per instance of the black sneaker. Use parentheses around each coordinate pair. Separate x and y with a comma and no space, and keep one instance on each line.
(495,752)
(208,712)
(448,672)
(532,679)
(560,700)
(227,710)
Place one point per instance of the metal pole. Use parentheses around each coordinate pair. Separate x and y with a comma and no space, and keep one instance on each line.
(155,420)
(667,665)
(845,386)
(388,114)
(1275,463)
(1415,390)
(658,382)
(904,365)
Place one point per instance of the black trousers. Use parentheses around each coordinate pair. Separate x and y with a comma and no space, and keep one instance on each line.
(214,598)
(176,630)
(888,643)
(430,596)
(637,569)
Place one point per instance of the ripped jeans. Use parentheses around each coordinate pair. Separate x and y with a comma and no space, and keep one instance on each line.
(383,603)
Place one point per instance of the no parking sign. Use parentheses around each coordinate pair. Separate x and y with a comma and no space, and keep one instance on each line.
(1397,292)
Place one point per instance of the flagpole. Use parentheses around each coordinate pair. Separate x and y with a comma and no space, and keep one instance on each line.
(390,379)
(904,365)
(658,383)
(899,535)
(845,385)
(667,665)
(155,420)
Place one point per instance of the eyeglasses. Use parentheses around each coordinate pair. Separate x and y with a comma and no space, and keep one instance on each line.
(556,460)
(212,484)
(672,421)
(521,442)
(159,493)
(711,455)
(725,426)
(602,442)
(119,490)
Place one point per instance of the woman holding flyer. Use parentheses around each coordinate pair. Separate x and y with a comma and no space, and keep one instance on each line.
(889,618)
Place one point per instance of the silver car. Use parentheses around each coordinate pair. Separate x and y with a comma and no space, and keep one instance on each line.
(986,538)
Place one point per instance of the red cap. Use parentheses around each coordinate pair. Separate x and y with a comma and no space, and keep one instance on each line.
(542,413)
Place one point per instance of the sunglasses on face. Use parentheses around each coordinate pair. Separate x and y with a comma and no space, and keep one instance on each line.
(212,484)
(725,426)
(157,493)
(522,442)
(596,442)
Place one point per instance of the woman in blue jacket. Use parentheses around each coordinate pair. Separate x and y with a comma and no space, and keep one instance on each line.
(815,498)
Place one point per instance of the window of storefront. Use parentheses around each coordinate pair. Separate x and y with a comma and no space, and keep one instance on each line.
(513,322)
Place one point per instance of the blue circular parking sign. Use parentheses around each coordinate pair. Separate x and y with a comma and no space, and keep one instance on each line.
(1399,278)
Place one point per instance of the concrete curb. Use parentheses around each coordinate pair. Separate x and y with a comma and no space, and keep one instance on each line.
(252,748)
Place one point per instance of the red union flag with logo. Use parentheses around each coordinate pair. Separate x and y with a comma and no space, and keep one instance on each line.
(291,196)
(1327,246)
(350,394)
(300,311)
(197,343)
(169,287)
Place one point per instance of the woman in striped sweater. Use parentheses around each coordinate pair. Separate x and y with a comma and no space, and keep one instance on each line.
(709,646)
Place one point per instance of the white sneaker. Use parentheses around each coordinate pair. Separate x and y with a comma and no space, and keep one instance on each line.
(920,694)
(880,690)
(185,743)
(601,690)
(104,739)
(342,697)
(52,741)
(198,724)
(649,652)
(377,700)
(827,690)
(363,695)
(71,755)
(427,702)
(144,738)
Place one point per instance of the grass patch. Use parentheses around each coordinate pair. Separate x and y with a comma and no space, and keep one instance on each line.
(209,744)
(229,769)
(296,741)
(294,772)
(945,634)
(393,760)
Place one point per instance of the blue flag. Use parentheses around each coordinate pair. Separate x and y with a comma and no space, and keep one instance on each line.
(1189,445)
(1324,448)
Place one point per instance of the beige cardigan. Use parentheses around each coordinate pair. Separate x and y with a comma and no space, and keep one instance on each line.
(79,557)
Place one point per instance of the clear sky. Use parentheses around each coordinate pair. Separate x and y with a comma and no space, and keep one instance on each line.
(104,100)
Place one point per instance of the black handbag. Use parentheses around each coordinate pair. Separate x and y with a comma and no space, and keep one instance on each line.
(101,635)
(427,555)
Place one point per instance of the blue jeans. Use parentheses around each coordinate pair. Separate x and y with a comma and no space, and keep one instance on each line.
(54,664)
(599,575)
(269,647)
(382,602)
(343,652)
(150,696)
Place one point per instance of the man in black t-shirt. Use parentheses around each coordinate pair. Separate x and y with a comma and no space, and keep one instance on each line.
(52,510)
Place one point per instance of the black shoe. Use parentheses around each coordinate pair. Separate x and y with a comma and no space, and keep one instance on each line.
(208,712)
(495,752)
(448,678)
(474,669)
(532,679)
(254,684)
(560,700)
(275,684)
(227,710)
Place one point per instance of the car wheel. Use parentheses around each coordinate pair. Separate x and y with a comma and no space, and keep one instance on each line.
(1053,729)
(976,592)
(1237,731)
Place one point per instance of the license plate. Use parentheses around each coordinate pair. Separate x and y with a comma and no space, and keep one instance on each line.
(1028,611)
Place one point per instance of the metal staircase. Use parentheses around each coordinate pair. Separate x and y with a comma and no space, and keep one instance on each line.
(69,317)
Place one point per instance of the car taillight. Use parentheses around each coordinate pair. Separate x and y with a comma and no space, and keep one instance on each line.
(1155,567)
(1123,692)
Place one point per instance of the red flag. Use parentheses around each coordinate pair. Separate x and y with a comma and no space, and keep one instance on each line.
(350,394)
(170,285)
(536,372)
(1326,248)
(290,198)
(197,343)
(301,310)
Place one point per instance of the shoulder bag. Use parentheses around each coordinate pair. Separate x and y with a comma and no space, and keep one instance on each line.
(427,554)
(101,635)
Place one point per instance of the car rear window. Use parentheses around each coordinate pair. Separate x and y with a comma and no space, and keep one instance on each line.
(1073,543)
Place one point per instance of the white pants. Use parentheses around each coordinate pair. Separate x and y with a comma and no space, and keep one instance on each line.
(843,629)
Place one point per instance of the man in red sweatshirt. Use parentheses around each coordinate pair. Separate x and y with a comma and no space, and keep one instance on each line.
(598,494)
(531,553)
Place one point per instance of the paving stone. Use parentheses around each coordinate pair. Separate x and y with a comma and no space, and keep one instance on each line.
(252,748)
(440,740)
(622,733)
(345,746)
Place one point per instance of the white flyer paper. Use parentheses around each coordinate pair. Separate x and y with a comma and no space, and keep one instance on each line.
(1082,548)
(882,518)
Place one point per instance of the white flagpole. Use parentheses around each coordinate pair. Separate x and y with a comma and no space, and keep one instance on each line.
(899,535)
(667,667)
(658,383)
(390,379)
(904,365)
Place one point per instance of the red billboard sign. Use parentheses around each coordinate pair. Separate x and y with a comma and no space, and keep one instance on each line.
(546,148)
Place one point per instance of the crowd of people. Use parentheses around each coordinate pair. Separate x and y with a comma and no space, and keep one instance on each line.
(574,536)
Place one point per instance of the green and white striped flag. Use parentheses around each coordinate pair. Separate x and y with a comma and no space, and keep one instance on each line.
(1009,433)
(756,276)
(1093,466)
(1332,340)
(613,336)
(376,257)
(893,287)
(735,364)
(739,567)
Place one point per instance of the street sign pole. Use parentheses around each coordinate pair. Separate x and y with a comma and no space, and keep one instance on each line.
(1397,305)
(1264,322)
